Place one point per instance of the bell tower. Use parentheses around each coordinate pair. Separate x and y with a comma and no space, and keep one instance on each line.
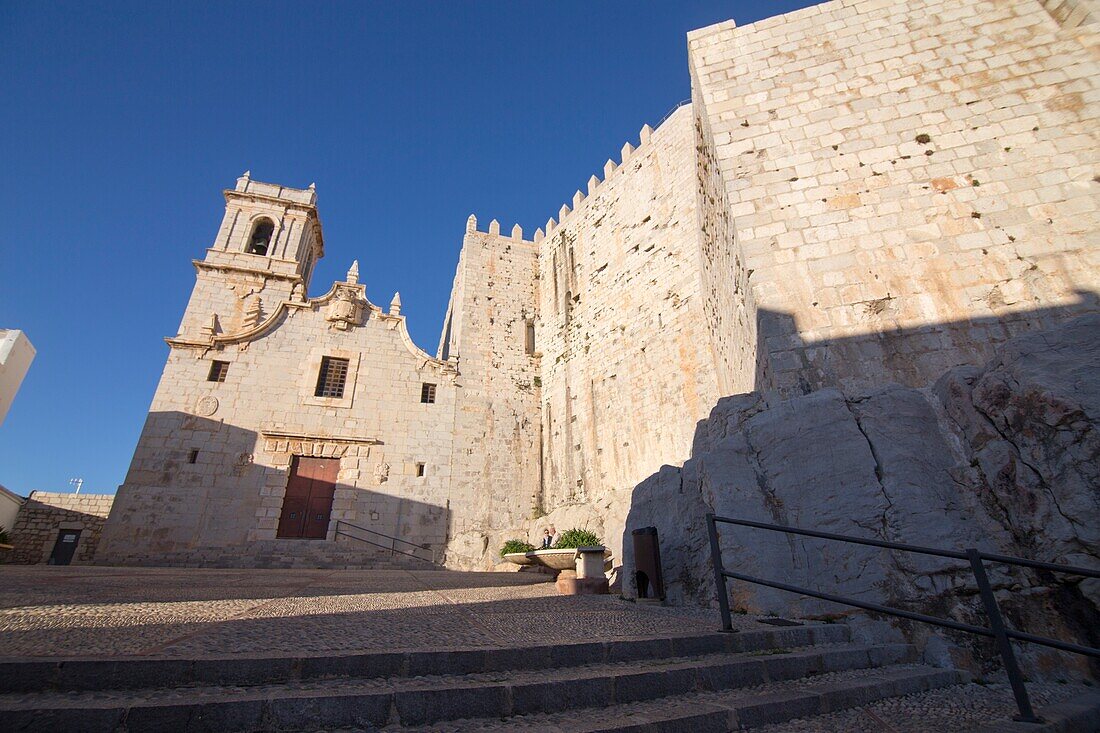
(264,254)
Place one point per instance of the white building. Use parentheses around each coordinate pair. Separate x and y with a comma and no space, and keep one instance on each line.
(16,355)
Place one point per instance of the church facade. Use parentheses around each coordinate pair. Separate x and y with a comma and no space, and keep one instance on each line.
(858,193)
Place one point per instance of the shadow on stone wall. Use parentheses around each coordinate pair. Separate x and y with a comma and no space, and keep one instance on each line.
(914,357)
(207,498)
(1004,457)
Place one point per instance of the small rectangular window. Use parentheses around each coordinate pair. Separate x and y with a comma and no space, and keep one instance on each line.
(427,393)
(193,456)
(218,371)
(529,342)
(332,377)
(420,469)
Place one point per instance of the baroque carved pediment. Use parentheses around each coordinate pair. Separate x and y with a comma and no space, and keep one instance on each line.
(345,309)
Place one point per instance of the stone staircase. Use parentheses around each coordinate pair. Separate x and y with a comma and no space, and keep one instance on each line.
(697,682)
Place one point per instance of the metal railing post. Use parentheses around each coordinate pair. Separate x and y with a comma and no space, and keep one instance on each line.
(719,574)
(1004,646)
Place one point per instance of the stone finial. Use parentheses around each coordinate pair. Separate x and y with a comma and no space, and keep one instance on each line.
(577,198)
(539,235)
(593,183)
(395,304)
(353,273)
(643,136)
(471,224)
(494,227)
(608,168)
(626,151)
(312,186)
(550,224)
(243,179)
(563,212)
(517,232)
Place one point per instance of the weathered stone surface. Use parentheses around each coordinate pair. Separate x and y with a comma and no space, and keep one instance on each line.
(1003,458)
(859,193)
(44,514)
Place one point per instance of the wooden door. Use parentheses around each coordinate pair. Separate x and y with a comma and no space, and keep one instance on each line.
(307,504)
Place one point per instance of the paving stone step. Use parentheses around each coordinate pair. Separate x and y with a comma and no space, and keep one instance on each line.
(429,699)
(722,711)
(136,673)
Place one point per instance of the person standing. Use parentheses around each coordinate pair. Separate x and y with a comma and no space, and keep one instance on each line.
(555,538)
(547,540)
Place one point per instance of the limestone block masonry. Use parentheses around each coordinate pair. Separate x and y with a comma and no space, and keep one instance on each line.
(859,193)
(43,515)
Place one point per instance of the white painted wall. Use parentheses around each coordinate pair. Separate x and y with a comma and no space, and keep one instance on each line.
(16,355)
(9,508)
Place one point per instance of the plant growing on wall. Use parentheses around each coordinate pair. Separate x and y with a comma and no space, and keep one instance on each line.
(515,546)
(575,537)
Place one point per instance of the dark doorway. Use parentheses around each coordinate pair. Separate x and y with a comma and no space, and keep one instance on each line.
(65,547)
(308,500)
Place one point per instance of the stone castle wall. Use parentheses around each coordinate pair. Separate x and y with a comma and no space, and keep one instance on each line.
(44,514)
(627,366)
(495,460)
(729,305)
(921,169)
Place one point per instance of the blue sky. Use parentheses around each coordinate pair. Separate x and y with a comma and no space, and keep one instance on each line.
(121,123)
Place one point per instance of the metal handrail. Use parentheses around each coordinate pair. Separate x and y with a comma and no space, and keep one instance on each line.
(393,541)
(380,534)
(672,111)
(996,630)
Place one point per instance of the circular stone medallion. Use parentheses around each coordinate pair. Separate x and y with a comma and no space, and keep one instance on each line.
(206,406)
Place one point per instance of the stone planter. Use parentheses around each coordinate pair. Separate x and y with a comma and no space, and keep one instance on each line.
(578,570)
(556,560)
(520,558)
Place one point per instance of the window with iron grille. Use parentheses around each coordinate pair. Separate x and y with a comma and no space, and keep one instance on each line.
(218,371)
(333,376)
(427,393)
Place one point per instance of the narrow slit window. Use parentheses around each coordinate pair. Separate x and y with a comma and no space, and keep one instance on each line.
(332,377)
(193,456)
(529,341)
(419,469)
(427,393)
(218,371)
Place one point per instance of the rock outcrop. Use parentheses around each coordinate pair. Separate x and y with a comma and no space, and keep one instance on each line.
(1005,457)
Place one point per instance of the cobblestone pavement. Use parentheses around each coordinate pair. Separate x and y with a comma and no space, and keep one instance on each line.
(50,611)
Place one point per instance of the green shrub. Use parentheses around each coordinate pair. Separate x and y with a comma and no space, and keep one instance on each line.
(571,538)
(515,546)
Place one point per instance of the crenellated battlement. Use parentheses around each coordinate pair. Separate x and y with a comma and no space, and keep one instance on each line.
(609,169)
(494,229)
